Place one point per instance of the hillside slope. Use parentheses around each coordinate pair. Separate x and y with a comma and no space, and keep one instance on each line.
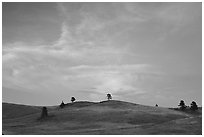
(14,110)
(107,117)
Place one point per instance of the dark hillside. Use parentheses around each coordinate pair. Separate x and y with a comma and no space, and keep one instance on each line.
(15,110)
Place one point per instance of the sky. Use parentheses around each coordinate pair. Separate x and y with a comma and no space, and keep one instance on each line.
(145,53)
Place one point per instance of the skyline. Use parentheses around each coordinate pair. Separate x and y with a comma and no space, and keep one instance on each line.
(147,53)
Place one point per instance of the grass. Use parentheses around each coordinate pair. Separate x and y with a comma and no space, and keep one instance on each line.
(107,117)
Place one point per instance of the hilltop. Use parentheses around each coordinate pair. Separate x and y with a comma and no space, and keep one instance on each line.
(106,117)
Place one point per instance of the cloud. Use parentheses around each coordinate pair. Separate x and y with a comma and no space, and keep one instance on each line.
(46,69)
(82,53)
(82,59)
(98,51)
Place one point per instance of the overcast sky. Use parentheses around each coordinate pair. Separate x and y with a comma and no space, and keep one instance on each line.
(145,53)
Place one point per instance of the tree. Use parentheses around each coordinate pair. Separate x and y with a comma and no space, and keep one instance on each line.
(73,99)
(44,112)
(194,106)
(62,105)
(182,105)
(109,96)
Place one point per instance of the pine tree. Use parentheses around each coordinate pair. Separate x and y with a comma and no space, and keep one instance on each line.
(44,112)
(182,105)
(109,96)
(194,106)
(73,99)
(62,105)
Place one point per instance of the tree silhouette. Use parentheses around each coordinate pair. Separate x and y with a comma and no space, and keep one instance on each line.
(73,99)
(62,105)
(109,96)
(182,105)
(44,112)
(194,106)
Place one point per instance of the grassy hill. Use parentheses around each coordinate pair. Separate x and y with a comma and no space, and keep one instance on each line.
(107,117)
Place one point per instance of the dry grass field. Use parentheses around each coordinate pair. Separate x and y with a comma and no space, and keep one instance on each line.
(102,118)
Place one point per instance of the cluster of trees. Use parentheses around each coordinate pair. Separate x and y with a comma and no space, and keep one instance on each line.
(193,106)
